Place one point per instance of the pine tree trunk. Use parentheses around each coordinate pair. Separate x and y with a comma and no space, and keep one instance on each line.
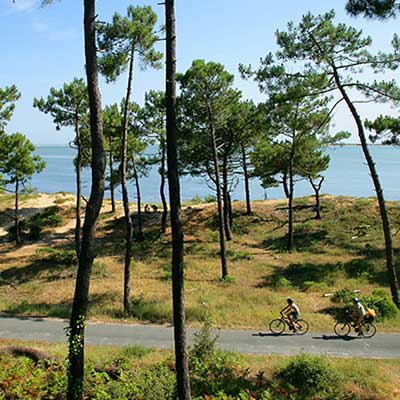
(78,189)
(162,188)
(87,253)
(317,189)
(285,185)
(225,194)
(111,161)
(221,225)
(390,264)
(290,205)
(125,196)
(246,181)
(139,201)
(178,292)
(230,216)
(16,214)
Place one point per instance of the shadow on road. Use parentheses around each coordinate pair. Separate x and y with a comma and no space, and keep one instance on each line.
(335,337)
(263,334)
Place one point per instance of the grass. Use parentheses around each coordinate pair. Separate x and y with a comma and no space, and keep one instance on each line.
(343,250)
(359,379)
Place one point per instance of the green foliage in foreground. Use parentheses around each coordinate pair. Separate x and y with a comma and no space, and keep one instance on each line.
(214,375)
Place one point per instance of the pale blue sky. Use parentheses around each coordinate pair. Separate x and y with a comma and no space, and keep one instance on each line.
(43,47)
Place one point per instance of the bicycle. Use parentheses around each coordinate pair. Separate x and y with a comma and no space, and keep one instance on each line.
(278,325)
(368,329)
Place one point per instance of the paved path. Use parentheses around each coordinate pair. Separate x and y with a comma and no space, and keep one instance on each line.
(243,341)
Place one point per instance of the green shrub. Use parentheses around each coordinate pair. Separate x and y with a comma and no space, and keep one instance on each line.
(32,228)
(239,255)
(381,302)
(310,376)
(56,256)
(280,282)
(343,296)
(310,286)
(212,372)
(167,272)
(149,383)
(359,268)
(209,198)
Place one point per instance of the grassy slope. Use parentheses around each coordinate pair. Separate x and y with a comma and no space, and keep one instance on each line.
(36,284)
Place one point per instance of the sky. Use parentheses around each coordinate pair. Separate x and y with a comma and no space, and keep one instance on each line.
(43,48)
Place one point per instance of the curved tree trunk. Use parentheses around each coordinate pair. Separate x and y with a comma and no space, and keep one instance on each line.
(139,201)
(78,189)
(178,292)
(87,254)
(162,188)
(246,181)
(111,167)
(16,214)
(390,264)
(225,194)
(285,185)
(125,196)
(317,189)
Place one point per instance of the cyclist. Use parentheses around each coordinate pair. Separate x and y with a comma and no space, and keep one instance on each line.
(359,314)
(292,311)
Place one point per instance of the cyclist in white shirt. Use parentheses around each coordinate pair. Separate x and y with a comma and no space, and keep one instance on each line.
(292,311)
(359,313)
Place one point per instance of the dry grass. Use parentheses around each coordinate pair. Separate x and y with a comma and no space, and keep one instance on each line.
(349,230)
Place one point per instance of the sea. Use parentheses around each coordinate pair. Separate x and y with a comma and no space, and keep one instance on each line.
(347,175)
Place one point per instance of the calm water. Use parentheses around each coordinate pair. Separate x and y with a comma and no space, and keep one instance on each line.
(347,175)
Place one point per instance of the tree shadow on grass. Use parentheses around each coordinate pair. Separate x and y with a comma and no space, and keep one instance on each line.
(303,241)
(304,275)
(56,310)
(43,270)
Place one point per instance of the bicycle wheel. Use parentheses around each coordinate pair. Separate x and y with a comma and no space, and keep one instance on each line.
(342,328)
(277,326)
(302,327)
(368,329)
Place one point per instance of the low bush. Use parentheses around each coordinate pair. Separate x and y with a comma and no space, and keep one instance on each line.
(214,374)
(359,269)
(342,296)
(280,282)
(310,377)
(32,228)
(381,302)
(56,256)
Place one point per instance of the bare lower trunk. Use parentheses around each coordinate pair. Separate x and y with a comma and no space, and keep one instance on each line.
(285,184)
(125,196)
(290,207)
(78,190)
(111,167)
(246,181)
(87,253)
(139,201)
(178,293)
(221,225)
(225,195)
(230,216)
(162,188)
(390,264)
(16,214)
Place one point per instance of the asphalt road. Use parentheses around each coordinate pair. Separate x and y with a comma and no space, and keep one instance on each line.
(243,341)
